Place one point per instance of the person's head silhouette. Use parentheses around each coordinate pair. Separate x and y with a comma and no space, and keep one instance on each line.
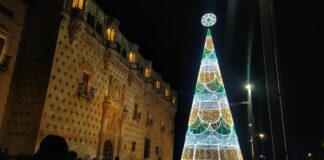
(53,147)
(73,155)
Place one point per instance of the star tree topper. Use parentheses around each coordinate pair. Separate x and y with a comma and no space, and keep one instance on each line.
(208,20)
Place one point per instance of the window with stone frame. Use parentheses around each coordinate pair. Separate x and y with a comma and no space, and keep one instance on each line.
(147,73)
(2,43)
(147,148)
(166,92)
(111,34)
(99,28)
(79,4)
(157,84)
(90,19)
(133,146)
(156,150)
(85,83)
(132,57)
(86,88)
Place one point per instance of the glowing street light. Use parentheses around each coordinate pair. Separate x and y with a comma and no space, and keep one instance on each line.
(261,135)
(309,155)
(248,87)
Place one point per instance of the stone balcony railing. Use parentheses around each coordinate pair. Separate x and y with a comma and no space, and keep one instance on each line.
(86,92)
(4,62)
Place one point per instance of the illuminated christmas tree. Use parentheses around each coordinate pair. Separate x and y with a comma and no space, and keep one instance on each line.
(211,134)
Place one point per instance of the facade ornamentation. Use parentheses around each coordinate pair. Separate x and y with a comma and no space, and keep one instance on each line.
(82,66)
(74,28)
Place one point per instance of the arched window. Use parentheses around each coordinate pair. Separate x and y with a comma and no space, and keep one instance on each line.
(111,34)
(147,73)
(132,57)
(157,84)
(78,4)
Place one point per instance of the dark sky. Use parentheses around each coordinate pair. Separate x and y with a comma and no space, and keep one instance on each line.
(170,34)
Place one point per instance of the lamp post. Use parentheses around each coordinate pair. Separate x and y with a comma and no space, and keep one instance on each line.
(262,137)
(248,87)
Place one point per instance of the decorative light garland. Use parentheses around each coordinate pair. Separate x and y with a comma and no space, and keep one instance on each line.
(211,133)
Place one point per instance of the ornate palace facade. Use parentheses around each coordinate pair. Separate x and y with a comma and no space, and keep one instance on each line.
(78,77)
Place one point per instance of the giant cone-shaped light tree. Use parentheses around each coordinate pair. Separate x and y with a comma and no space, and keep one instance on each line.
(211,134)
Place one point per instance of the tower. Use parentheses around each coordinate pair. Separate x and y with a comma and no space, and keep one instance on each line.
(211,133)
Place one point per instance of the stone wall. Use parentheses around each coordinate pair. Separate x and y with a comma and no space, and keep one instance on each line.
(117,106)
(11,28)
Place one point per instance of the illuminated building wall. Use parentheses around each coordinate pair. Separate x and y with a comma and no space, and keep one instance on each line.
(78,82)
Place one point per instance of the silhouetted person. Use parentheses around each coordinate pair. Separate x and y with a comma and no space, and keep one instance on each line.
(117,158)
(52,147)
(73,155)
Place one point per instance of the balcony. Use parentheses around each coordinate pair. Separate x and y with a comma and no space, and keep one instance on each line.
(4,62)
(86,92)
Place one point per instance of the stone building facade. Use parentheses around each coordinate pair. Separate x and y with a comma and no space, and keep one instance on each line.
(79,77)
(12,17)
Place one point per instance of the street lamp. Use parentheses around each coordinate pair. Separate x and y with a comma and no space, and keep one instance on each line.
(261,135)
(248,87)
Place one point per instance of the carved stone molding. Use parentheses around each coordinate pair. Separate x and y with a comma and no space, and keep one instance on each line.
(116,91)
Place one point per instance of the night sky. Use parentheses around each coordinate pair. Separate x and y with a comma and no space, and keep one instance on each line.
(169,33)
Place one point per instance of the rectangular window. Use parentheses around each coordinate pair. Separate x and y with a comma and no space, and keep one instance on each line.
(131,57)
(118,47)
(156,150)
(147,148)
(85,83)
(99,28)
(77,4)
(2,42)
(166,92)
(90,19)
(110,34)
(124,53)
(157,84)
(133,146)
(147,73)
(141,69)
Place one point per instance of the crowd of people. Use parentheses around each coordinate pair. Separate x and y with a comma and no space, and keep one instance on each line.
(52,147)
